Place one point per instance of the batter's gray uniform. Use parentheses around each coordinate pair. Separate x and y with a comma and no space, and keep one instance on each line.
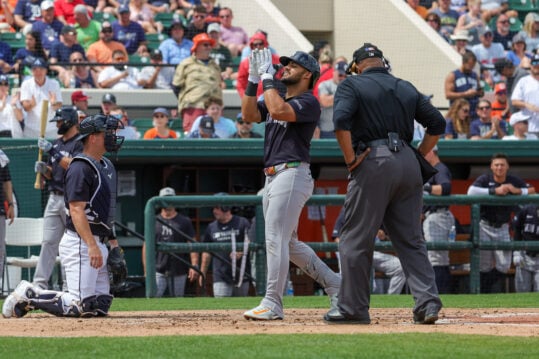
(54,218)
(378,111)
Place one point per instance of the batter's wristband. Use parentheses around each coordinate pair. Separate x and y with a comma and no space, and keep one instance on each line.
(491,190)
(267,84)
(251,89)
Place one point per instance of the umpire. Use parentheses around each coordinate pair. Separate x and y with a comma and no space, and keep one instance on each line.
(374,117)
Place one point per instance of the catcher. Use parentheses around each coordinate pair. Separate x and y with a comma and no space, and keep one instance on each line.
(90,195)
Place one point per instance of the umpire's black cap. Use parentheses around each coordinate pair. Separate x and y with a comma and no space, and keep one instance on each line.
(304,60)
(366,51)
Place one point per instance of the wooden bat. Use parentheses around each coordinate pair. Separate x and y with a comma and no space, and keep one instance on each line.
(44,115)
(323,228)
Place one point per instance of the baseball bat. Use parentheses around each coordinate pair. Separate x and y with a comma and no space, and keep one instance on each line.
(323,227)
(44,115)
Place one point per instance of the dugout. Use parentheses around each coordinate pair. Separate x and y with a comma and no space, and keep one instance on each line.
(234,166)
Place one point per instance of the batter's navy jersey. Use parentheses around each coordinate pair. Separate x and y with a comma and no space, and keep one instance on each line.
(290,141)
(222,233)
(68,148)
(497,214)
(93,182)
(357,108)
(179,230)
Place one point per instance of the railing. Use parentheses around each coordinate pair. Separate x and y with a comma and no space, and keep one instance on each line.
(257,245)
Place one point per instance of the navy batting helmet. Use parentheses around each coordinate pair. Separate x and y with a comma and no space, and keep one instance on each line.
(69,116)
(306,61)
(103,123)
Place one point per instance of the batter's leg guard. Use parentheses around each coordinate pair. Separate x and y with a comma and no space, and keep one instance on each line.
(104,302)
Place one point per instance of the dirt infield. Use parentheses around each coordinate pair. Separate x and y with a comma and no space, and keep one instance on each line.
(503,322)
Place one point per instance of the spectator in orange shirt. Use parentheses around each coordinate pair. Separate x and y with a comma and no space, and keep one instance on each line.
(420,10)
(500,106)
(160,128)
(101,51)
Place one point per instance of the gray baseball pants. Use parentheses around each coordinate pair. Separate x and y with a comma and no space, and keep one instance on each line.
(285,194)
(386,188)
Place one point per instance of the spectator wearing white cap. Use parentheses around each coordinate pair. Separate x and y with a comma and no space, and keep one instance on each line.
(48,25)
(526,95)
(519,122)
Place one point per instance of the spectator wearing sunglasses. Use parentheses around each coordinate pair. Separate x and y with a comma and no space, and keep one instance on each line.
(233,37)
(119,76)
(487,127)
(244,129)
(198,23)
(101,51)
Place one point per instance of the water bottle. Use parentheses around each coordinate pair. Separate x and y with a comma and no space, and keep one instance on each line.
(72,82)
(452,234)
(289,288)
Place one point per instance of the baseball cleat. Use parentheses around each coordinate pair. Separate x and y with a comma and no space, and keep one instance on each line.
(428,316)
(261,313)
(333,301)
(16,303)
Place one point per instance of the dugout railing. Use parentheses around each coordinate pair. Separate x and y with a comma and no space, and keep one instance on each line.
(257,244)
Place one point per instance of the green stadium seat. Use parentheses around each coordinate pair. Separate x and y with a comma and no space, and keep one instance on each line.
(15,40)
(154,40)
(523,7)
(137,59)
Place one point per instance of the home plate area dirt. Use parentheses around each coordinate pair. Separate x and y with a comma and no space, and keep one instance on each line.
(502,322)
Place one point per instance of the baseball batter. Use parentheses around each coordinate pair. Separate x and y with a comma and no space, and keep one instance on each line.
(90,196)
(290,124)
(61,152)
(526,227)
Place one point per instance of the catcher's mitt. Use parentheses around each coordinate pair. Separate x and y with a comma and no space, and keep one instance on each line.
(117,267)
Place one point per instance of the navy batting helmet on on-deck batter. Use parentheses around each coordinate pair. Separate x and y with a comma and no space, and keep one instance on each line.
(69,116)
(103,123)
(306,61)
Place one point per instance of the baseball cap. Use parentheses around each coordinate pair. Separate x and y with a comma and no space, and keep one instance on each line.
(214,27)
(239,117)
(4,79)
(500,87)
(482,31)
(341,67)
(366,51)
(501,63)
(45,5)
(535,60)
(79,96)
(39,62)
(200,39)
(156,54)
(69,29)
(167,191)
(123,9)
(161,110)
(206,125)
(303,59)
(108,98)
(518,117)
(518,38)
(80,9)
(177,23)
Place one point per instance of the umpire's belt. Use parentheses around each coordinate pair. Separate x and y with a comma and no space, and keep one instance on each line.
(493,224)
(273,170)
(102,239)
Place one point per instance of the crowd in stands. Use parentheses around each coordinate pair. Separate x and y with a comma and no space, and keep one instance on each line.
(195,49)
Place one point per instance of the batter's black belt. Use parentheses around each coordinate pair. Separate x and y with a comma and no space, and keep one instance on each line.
(58,193)
(492,223)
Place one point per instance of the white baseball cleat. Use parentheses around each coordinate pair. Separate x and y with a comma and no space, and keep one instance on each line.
(16,303)
(333,301)
(261,313)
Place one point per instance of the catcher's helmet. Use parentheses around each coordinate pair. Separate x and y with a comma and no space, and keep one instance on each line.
(306,61)
(69,116)
(103,123)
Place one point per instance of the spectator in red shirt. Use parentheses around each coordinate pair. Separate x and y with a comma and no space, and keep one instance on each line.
(64,10)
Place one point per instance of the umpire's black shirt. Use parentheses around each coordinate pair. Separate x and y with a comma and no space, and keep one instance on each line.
(375,102)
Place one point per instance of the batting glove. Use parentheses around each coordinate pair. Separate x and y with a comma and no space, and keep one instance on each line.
(43,144)
(40,167)
(517,258)
(265,67)
(253,67)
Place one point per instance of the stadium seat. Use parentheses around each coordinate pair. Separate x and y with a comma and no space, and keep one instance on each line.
(104,16)
(15,40)
(523,7)
(154,40)
(137,59)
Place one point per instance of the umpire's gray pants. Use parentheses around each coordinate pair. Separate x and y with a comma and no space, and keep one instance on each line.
(386,188)
(54,222)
